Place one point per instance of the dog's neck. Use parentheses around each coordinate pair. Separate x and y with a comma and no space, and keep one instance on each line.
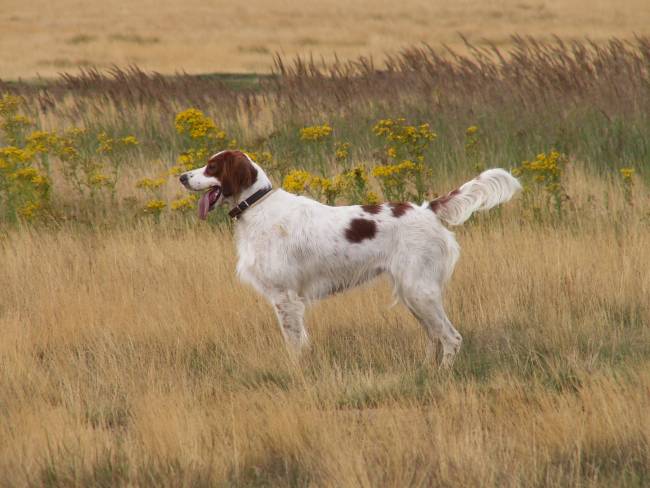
(262,182)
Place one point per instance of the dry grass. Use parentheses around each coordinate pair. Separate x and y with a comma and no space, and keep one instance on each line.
(46,38)
(134,357)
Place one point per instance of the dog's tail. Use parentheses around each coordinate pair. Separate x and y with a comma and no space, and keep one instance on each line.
(487,190)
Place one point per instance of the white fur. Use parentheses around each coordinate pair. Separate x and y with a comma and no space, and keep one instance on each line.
(197,180)
(488,190)
(293,250)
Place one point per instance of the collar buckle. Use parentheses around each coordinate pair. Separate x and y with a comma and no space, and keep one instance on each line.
(238,209)
(235,213)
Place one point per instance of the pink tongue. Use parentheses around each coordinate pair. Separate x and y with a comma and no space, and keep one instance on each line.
(210,197)
(204,205)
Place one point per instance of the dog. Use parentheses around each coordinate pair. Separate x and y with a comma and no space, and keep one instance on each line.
(294,250)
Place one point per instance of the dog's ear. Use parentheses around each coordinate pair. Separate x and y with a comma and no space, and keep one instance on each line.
(237,173)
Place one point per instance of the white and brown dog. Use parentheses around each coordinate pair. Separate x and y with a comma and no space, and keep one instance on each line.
(293,249)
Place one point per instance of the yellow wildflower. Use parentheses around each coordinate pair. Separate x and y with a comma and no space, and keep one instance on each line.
(315,133)
(319,183)
(190,159)
(105,143)
(176,170)
(395,179)
(403,140)
(150,183)
(39,180)
(263,157)
(545,172)
(15,122)
(99,179)
(15,155)
(29,209)
(296,181)
(130,141)
(75,132)
(197,125)
(108,145)
(9,104)
(626,173)
(342,182)
(186,160)
(154,206)
(342,151)
(25,174)
(372,198)
(41,141)
(182,204)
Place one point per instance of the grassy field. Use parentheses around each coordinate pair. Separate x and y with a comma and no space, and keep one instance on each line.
(130,355)
(199,37)
(134,357)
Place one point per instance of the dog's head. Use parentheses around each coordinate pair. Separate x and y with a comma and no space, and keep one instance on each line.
(225,177)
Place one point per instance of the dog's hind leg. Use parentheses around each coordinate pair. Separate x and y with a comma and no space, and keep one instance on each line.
(420,284)
(290,311)
(426,306)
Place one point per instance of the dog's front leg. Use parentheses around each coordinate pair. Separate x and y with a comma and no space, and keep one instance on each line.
(290,311)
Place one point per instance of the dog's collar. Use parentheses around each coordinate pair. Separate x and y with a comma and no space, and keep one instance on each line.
(239,209)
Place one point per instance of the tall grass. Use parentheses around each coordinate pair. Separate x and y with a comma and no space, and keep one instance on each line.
(588,100)
(135,357)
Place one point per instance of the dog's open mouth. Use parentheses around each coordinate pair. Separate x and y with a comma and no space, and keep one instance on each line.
(208,201)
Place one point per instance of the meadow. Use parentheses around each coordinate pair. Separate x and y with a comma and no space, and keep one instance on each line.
(130,354)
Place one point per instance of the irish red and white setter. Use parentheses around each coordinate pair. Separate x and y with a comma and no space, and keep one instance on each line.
(293,249)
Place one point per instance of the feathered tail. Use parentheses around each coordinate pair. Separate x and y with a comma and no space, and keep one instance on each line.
(487,190)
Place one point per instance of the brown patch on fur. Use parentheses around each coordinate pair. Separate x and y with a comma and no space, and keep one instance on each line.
(436,203)
(371,209)
(360,229)
(234,170)
(400,208)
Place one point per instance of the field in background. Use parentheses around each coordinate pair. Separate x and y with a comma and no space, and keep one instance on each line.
(130,355)
(47,38)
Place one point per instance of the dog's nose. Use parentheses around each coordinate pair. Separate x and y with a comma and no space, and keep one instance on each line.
(184,178)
